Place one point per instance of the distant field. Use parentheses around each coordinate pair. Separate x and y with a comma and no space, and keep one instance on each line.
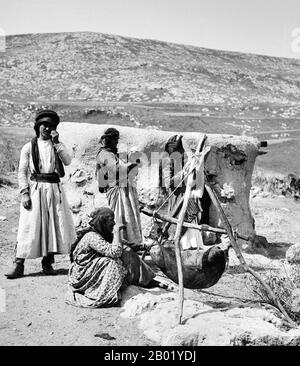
(266,122)
(281,158)
(283,134)
(11,141)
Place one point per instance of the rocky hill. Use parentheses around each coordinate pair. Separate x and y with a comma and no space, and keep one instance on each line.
(101,67)
(107,79)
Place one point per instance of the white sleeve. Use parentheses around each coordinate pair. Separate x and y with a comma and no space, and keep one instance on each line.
(23,172)
(63,153)
(108,160)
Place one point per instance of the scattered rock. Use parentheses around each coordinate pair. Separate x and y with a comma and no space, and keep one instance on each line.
(292,271)
(88,192)
(142,301)
(104,336)
(255,191)
(79,178)
(205,325)
(227,191)
(293,254)
(74,199)
(295,301)
(7,182)
(80,181)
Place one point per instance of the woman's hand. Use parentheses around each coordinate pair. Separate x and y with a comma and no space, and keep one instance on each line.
(26,201)
(125,242)
(118,232)
(120,226)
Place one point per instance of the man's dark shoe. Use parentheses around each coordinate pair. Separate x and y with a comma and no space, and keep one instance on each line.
(48,270)
(16,272)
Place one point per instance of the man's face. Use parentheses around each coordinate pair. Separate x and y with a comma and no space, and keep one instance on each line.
(45,130)
(114,140)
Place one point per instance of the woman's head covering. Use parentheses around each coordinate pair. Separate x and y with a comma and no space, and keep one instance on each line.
(174,144)
(110,132)
(46,115)
(105,140)
(99,222)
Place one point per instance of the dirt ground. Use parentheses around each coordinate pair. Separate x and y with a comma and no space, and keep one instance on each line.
(36,313)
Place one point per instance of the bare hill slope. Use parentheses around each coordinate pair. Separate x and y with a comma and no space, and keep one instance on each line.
(95,66)
(107,79)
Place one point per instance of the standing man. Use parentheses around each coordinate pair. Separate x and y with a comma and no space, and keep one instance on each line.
(46,225)
(117,179)
(172,174)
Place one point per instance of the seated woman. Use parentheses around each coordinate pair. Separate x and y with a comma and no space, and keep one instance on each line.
(97,272)
(100,264)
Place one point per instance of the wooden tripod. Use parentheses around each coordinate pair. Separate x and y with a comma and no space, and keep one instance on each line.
(180,222)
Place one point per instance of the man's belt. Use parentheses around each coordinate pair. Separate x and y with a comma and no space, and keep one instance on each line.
(45,177)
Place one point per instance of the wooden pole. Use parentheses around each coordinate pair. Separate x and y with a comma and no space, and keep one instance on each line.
(177,237)
(202,227)
(239,254)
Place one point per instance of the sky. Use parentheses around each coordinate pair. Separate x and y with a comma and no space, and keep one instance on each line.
(268,27)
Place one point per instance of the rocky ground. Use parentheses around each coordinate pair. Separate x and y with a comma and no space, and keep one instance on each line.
(227,313)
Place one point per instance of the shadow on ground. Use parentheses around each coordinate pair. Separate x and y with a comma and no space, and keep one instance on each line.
(273,250)
(58,272)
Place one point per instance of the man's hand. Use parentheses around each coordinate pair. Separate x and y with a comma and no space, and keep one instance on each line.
(54,136)
(134,157)
(26,201)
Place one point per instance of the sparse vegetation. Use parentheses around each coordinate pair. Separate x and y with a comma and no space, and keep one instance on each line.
(286,287)
(8,156)
(284,185)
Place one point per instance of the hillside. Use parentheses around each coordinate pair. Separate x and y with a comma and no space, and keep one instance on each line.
(95,66)
(107,79)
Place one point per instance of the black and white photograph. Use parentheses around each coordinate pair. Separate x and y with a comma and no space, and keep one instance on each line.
(150,176)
